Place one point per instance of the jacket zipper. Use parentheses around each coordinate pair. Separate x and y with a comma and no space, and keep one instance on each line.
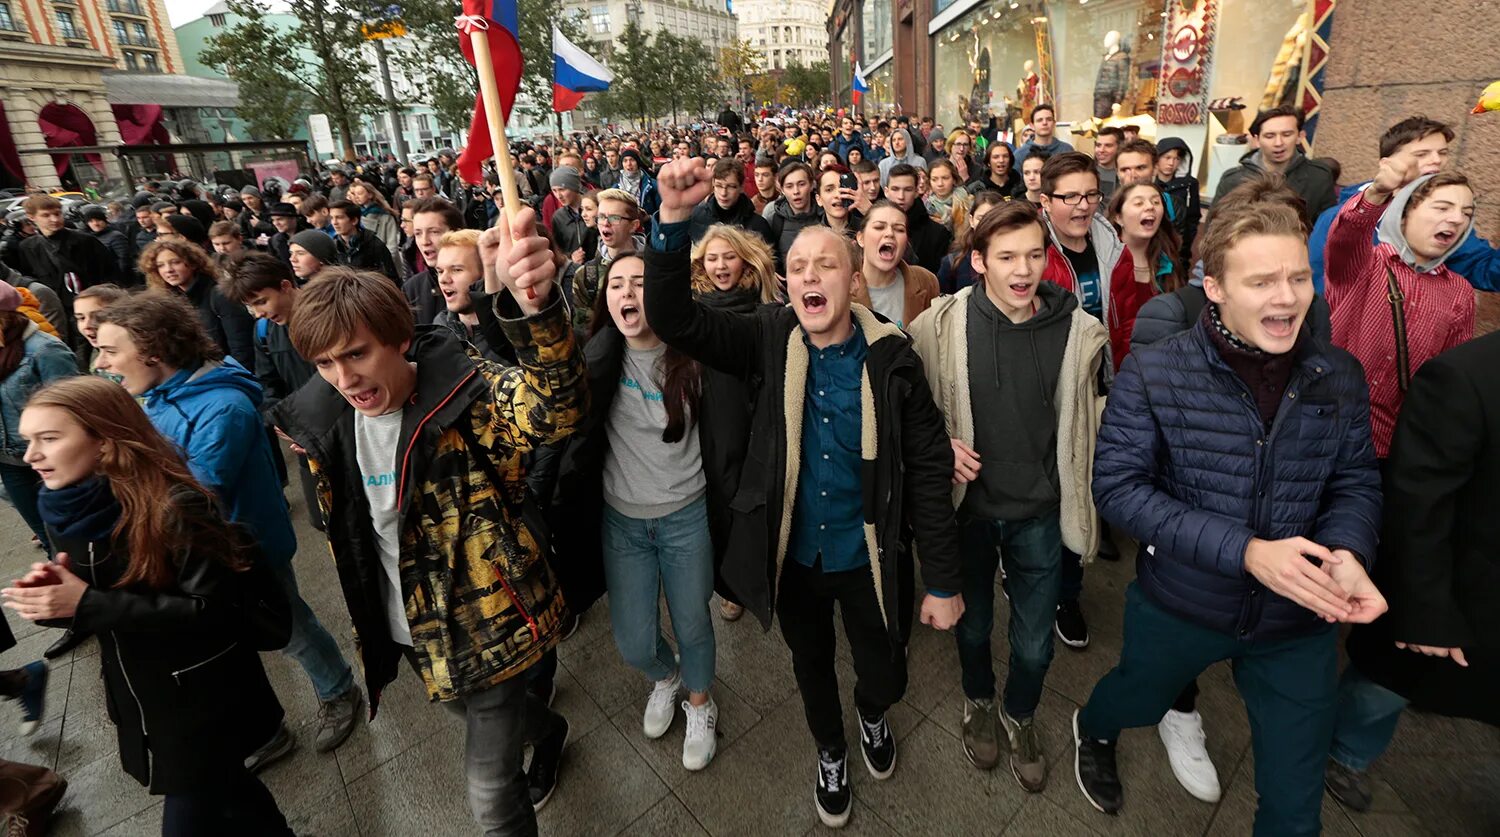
(140,711)
(536,634)
(176,674)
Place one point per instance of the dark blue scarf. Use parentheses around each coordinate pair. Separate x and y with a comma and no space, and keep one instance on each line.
(85,510)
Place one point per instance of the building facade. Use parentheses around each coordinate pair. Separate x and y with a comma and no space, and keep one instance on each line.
(603,21)
(785,33)
(59,60)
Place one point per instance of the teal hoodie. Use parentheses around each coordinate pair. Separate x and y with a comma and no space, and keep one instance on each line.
(212,414)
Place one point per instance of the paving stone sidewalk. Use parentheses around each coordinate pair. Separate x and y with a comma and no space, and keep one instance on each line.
(402,775)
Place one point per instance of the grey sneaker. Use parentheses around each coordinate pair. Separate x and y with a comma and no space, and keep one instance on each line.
(1348,786)
(1026,759)
(337,719)
(280,746)
(981,733)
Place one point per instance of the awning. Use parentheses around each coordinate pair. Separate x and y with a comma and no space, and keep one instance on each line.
(169,91)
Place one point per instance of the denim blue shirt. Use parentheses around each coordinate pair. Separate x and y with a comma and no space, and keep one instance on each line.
(828,516)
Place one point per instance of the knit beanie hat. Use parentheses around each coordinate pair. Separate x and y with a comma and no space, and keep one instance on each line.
(250,190)
(317,243)
(566,177)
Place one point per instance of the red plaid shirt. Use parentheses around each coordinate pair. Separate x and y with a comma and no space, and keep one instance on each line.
(1439,310)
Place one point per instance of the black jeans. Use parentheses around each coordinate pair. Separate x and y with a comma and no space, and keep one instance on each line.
(804,607)
(241,807)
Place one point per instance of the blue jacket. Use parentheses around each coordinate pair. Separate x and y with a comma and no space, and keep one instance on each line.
(1185,465)
(44,359)
(213,415)
(1476,259)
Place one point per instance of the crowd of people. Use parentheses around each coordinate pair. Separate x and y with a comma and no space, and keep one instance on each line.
(854,361)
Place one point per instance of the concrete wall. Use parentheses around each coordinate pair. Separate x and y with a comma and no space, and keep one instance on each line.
(1435,62)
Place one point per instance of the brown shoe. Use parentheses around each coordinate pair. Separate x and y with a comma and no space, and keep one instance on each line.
(1026,759)
(981,733)
(730,611)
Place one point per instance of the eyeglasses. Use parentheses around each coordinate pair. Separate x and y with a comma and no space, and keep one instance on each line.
(612,219)
(1075,198)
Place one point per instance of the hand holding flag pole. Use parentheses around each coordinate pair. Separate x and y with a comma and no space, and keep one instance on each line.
(482,25)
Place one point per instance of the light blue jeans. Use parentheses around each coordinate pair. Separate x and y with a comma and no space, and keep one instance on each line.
(1368,715)
(311,645)
(643,558)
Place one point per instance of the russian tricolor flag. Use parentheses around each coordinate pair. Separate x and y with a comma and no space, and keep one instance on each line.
(574,73)
(500,23)
(859,87)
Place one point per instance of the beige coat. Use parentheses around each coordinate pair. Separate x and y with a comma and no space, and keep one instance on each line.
(940,337)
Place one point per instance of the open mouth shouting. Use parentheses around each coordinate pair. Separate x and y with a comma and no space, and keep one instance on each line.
(1148,222)
(630,315)
(1445,237)
(1281,327)
(813,302)
(364,399)
(723,279)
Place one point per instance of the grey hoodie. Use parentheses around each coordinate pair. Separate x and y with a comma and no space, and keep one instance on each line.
(912,158)
(1390,232)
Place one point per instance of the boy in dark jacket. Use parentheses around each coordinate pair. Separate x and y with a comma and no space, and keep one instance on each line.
(728,204)
(1238,454)
(418,450)
(1278,139)
(358,247)
(1184,202)
(847,455)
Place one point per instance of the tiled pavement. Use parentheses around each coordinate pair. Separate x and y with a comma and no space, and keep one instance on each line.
(402,775)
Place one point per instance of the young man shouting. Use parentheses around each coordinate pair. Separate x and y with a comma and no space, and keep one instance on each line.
(418,448)
(1239,454)
(1022,409)
(847,457)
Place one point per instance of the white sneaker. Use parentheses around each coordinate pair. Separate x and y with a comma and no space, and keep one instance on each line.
(661,707)
(700,742)
(1182,733)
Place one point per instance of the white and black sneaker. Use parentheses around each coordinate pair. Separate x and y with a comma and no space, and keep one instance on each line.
(832,795)
(878,746)
(1070,625)
(1094,768)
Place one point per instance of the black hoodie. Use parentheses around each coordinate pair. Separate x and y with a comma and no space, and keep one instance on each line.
(929,240)
(1013,372)
(742,215)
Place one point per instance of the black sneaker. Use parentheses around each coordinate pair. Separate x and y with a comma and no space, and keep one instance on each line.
(878,746)
(832,794)
(1070,627)
(1348,786)
(33,697)
(543,690)
(1094,768)
(546,757)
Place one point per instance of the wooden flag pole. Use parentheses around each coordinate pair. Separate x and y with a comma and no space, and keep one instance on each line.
(484,63)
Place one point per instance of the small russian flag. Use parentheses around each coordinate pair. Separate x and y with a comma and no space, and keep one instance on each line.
(859,87)
(574,73)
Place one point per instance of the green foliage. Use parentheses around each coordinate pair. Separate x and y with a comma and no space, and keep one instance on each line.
(738,64)
(806,86)
(316,63)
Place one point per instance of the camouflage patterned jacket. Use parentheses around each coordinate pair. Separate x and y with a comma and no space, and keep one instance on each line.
(481,599)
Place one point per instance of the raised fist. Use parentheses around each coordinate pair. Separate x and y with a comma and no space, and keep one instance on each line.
(683,184)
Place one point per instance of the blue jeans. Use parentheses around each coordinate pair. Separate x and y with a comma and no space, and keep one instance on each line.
(1032,552)
(644,557)
(23,486)
(1368,713)
(1290,689)
(311,645)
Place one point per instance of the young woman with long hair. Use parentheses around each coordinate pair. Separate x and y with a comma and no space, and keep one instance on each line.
(956,271)
(376,214)
(734,269)
(947,200)
(890,286)
(1149,265)
(175,595)
(185,268)
(640,461)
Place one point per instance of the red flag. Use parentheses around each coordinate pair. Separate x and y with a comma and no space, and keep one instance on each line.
(499,22)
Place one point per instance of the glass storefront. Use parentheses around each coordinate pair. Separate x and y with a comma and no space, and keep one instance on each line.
(1106,53)
(876,15)
(1258,54)
(882,95)
(984,62)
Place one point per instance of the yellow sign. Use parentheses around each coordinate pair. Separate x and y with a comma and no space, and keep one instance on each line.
(384,29)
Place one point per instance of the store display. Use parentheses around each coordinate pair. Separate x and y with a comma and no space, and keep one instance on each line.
(1113,79)
(1286,70)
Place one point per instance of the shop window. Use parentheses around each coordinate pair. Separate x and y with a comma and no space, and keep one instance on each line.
(1107,53)
(987,62)
(877,26)
(1258,53)
(882,95)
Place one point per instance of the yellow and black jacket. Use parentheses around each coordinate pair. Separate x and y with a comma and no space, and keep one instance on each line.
(481,599)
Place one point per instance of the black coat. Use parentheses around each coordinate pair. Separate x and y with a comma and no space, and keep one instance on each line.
(742,215)
(929,240)
(118,244)
(908,483)
(422,292)
(1439,567)
(69,251)
(183,682)
(228,323)
(366,252)
(1014,188)
(278,366)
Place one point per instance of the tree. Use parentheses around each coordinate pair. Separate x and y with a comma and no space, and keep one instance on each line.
(738,63)
(320,55)
(806,86)
(635,66)
(766,88)
(447,83)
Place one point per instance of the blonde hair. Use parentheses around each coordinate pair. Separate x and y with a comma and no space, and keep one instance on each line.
(623,197)
(459,238)
(760,262)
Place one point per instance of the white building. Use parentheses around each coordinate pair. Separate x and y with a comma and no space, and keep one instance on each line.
(707,21)
(785,32)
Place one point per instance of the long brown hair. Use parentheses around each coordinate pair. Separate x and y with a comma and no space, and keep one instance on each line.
(195,256)
(144,472)
(1166,243)
(681,378)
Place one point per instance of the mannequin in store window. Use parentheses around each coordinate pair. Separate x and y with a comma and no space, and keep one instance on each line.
(1114,75)
(1026,92)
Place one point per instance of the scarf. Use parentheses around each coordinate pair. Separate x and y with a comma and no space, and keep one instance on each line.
(631,183)
(734,300)
(1266,375)
(85,510)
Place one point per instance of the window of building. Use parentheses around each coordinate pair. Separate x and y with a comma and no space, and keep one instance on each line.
(600,17)
(120,32)
(67,26)
(6,21)
(139,30)
(148,62)
(216,21)
(877,26)
(1105,54)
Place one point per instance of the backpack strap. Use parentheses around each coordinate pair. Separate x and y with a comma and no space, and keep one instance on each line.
(1398,323)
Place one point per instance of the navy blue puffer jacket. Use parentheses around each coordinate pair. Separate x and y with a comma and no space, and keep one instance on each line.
(1185,465)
